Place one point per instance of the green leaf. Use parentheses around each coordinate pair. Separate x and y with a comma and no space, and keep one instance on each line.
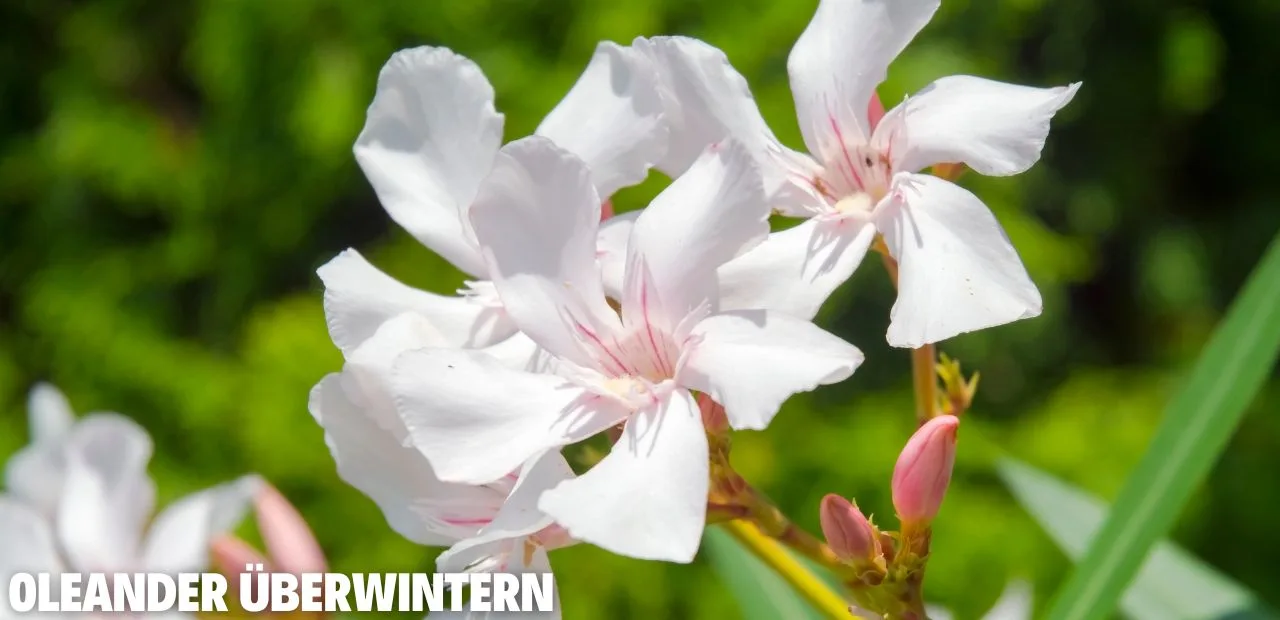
(1196,427)
(1171,585)
(761,593)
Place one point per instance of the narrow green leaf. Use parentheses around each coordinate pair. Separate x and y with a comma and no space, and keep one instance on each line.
(1196,427)
(1172,584)
(760,592)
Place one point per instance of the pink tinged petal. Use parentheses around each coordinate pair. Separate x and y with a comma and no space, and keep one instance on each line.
(358,298)
(995,128)
(229,555)
(48,412)
(751,361)
(797,269)
(923,471)
(396,477)
(648,498)
(429,140)
(179,539)
(106,496)
(707,101)
(292,545)
(518,519)
(537,218)
(27,543)
(705,218)
(612,118)
(611,250)
(840,59)
(367,439)
(477,420)
(957,270)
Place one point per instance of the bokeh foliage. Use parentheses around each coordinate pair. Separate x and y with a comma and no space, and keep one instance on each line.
(171,173)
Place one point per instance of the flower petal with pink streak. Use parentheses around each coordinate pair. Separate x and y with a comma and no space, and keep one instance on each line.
(648,498)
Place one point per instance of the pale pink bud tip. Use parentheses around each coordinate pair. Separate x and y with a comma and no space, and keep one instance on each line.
(606,209)
(848,532)
(923,471)
(875,111)
(290,543)
(230,555)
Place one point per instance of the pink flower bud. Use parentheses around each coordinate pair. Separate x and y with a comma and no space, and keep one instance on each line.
(230,555)
(923,471)
(875,111)
(606,209)
(848,532)
(290,543)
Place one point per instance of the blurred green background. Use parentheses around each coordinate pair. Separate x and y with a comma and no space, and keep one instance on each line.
(171,174)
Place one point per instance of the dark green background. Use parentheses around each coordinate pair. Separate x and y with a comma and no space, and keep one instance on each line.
(171,174)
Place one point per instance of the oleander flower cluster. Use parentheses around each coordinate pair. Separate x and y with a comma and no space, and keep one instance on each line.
(663,328)
(78,499)
(654,332)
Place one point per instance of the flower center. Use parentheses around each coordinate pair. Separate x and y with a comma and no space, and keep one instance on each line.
(854,178)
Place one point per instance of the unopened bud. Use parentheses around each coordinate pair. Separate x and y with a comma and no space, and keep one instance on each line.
(875,110)
(606,209)
(849,534)
(290,543)
(923,471)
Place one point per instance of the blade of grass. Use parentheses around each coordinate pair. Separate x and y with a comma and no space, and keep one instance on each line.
(1172,584)
(1196,427)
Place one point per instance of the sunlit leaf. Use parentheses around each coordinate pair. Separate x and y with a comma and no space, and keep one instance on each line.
(1172,584)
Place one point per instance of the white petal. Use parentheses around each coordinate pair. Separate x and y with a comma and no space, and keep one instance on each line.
(536,218)
(1014,603)
(367,439)
(518,518)
(358,298)
(106,496)
(35,474)
(611,250)
(796,270)
(430,138)
(751,361)
(707,101)
(612,118)
(477,420)
(648,498)
(709,215)
(957,270)
(517,352)
(179,540)
(370,458)
(49,413)
(995,128)
(840,59)
(27,543)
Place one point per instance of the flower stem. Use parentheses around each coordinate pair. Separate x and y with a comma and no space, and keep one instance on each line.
(805,582)
(924,376)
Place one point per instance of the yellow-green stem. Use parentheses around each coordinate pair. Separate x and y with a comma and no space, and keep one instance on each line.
(924,375)
(776,557)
